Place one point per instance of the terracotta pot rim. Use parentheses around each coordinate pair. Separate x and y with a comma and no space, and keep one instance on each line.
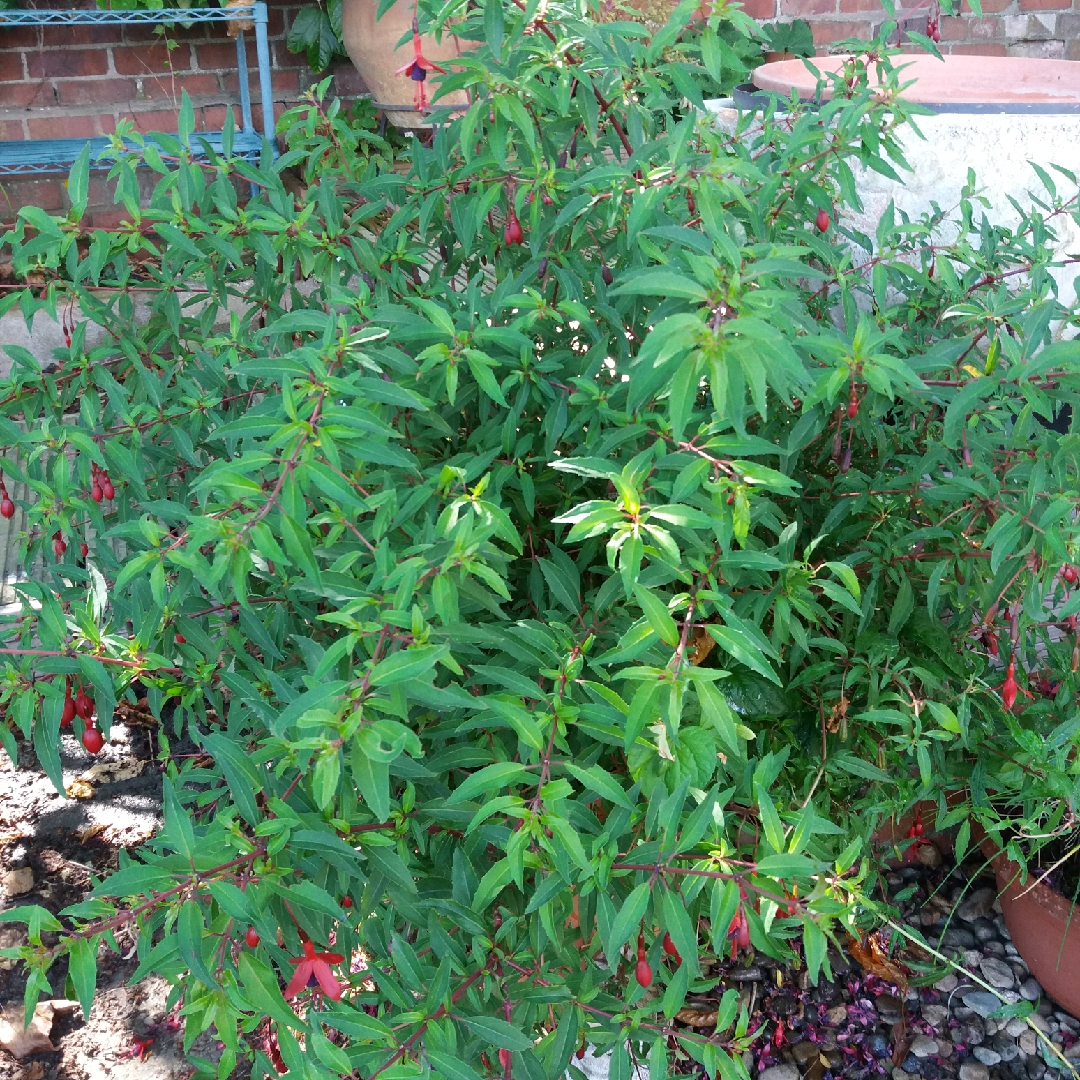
(992,84)
(1007,872)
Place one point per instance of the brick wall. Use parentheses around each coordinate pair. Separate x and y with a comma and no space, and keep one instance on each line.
(1041,28)
(74,81)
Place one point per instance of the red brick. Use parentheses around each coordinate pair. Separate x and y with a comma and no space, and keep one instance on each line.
(26,95)
(988,48)
(805,8)
(989,7)
(67,63)
(859,6)
(152,120)
(94,91)
(1072,49)
(12,130)
(826,32)
(11,66)
(147,59)
(66,127)
(348,82)
(284,82)
(760,9)
(45,192)
(170,87)
(1044,5)
(109,219)
(275,21)
(148,33)
(218,55)
(66,37)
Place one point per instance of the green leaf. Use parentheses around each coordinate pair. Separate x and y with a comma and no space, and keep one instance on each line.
(489,779)
(497,1032)
(627,921)
(656,612)
(82,967)
(743,649)
(596,779)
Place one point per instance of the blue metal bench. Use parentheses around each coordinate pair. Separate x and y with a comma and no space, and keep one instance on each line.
(33,156)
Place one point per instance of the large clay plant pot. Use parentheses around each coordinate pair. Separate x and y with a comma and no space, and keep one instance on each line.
(372,45)
(1045,928)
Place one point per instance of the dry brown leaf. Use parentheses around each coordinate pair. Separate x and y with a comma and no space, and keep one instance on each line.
(34,1039)
(837,715)
(112,772)
(79,789)
(871,954)
(35,1072)
(701,644)
(701,1018)
(18,882)
(89,832)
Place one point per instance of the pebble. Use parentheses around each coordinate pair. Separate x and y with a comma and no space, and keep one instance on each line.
(959,938)
(944,1047)
(973,958)
(784,1005)
(1029,1042)
(1067,1021)
(779,1072)
(836,1016)
(982,1001)
(974,1070)
(949,983)
(997,973)
(976,905)
(929,856)
(879,1046)
(994,948)
(935,1015)
(929,1069)
(899,1074)
(1016,1026)
(804,1053)
(1040,1022)
(889,1008)
(1035,1068)
(923,1047)
(987,1056)
(750,974)
(1005,1048)
(970,1034)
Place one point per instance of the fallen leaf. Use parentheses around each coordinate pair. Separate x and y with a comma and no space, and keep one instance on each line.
(112,772)
(89,832)
(871,954)
(18,882)
(35,1072)
(79,789)
(702,1018)
(21,1042)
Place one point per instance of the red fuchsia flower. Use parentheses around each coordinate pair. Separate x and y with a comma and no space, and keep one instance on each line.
(417,69)
(315,965)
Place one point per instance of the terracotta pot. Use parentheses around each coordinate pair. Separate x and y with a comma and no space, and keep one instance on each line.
(372,45)
(1045,928)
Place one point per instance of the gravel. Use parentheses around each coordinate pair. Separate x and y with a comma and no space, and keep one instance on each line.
(982,1001)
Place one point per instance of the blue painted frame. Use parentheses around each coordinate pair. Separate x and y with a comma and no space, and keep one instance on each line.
(32,156)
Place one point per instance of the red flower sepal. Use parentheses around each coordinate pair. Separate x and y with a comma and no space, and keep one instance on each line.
(417,69)
(315,964)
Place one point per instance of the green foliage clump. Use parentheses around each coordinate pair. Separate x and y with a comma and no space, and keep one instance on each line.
(539,599)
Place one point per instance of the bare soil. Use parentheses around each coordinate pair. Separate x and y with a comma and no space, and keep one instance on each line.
(66,844)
